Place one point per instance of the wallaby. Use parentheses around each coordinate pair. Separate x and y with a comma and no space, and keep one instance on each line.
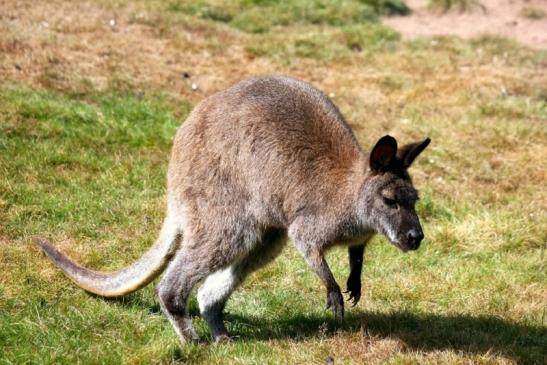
(266,160)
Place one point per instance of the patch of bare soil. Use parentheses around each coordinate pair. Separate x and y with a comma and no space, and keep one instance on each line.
(508,18)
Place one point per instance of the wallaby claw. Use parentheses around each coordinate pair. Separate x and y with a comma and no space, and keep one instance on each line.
(354,291)
(353,300)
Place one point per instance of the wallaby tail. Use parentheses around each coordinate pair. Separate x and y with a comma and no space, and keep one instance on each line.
(127,280)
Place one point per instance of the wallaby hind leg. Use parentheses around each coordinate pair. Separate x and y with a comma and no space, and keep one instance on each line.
(191,264)
(173,291)
(212,297)
(218,286)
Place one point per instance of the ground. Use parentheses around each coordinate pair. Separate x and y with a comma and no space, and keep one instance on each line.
(523,20)
(91,93)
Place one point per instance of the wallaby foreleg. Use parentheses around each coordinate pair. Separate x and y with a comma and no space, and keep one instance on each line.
(356,254)
(315,259)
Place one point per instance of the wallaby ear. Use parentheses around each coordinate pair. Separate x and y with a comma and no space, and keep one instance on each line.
(383,153)
(409,152)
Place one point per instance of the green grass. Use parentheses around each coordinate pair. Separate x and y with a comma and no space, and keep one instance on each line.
(458,5)
(532,13)
(326,45)
(85,166)
(259,16)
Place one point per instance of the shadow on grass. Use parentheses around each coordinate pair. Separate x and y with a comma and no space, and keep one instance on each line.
(525,344)
(427,332)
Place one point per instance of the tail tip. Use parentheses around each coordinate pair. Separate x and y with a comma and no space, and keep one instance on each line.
(42,243)
(39,240)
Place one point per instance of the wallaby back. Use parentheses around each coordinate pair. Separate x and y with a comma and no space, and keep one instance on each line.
(271,145)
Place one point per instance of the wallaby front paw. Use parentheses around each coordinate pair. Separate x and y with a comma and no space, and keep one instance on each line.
(335,301)
(354,290)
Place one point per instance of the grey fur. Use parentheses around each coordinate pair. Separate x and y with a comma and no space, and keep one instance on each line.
(265,160)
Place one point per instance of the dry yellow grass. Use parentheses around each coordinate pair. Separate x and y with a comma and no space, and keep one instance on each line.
(484,203)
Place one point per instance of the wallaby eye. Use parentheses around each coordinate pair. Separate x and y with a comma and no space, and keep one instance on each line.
(390,202)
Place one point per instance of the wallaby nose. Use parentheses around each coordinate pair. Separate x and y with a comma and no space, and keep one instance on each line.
(415,236)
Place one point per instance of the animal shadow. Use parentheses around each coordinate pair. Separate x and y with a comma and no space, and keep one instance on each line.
(425,332)
(526,344)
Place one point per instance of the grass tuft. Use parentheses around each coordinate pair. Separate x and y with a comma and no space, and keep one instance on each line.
(532,13)
(261,16)
(457,5)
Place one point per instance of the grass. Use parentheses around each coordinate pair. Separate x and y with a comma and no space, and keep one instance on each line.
(259,16)
(458,5)
(327,45)
(84,147)
(532,13)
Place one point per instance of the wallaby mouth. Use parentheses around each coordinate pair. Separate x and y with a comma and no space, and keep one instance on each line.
(402,246)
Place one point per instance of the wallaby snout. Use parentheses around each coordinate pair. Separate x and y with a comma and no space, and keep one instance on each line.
(415,237)
(411,233)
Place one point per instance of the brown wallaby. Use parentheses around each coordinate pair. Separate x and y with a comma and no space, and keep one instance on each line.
(265,160)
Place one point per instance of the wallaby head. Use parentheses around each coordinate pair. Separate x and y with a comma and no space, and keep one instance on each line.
(387,199)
